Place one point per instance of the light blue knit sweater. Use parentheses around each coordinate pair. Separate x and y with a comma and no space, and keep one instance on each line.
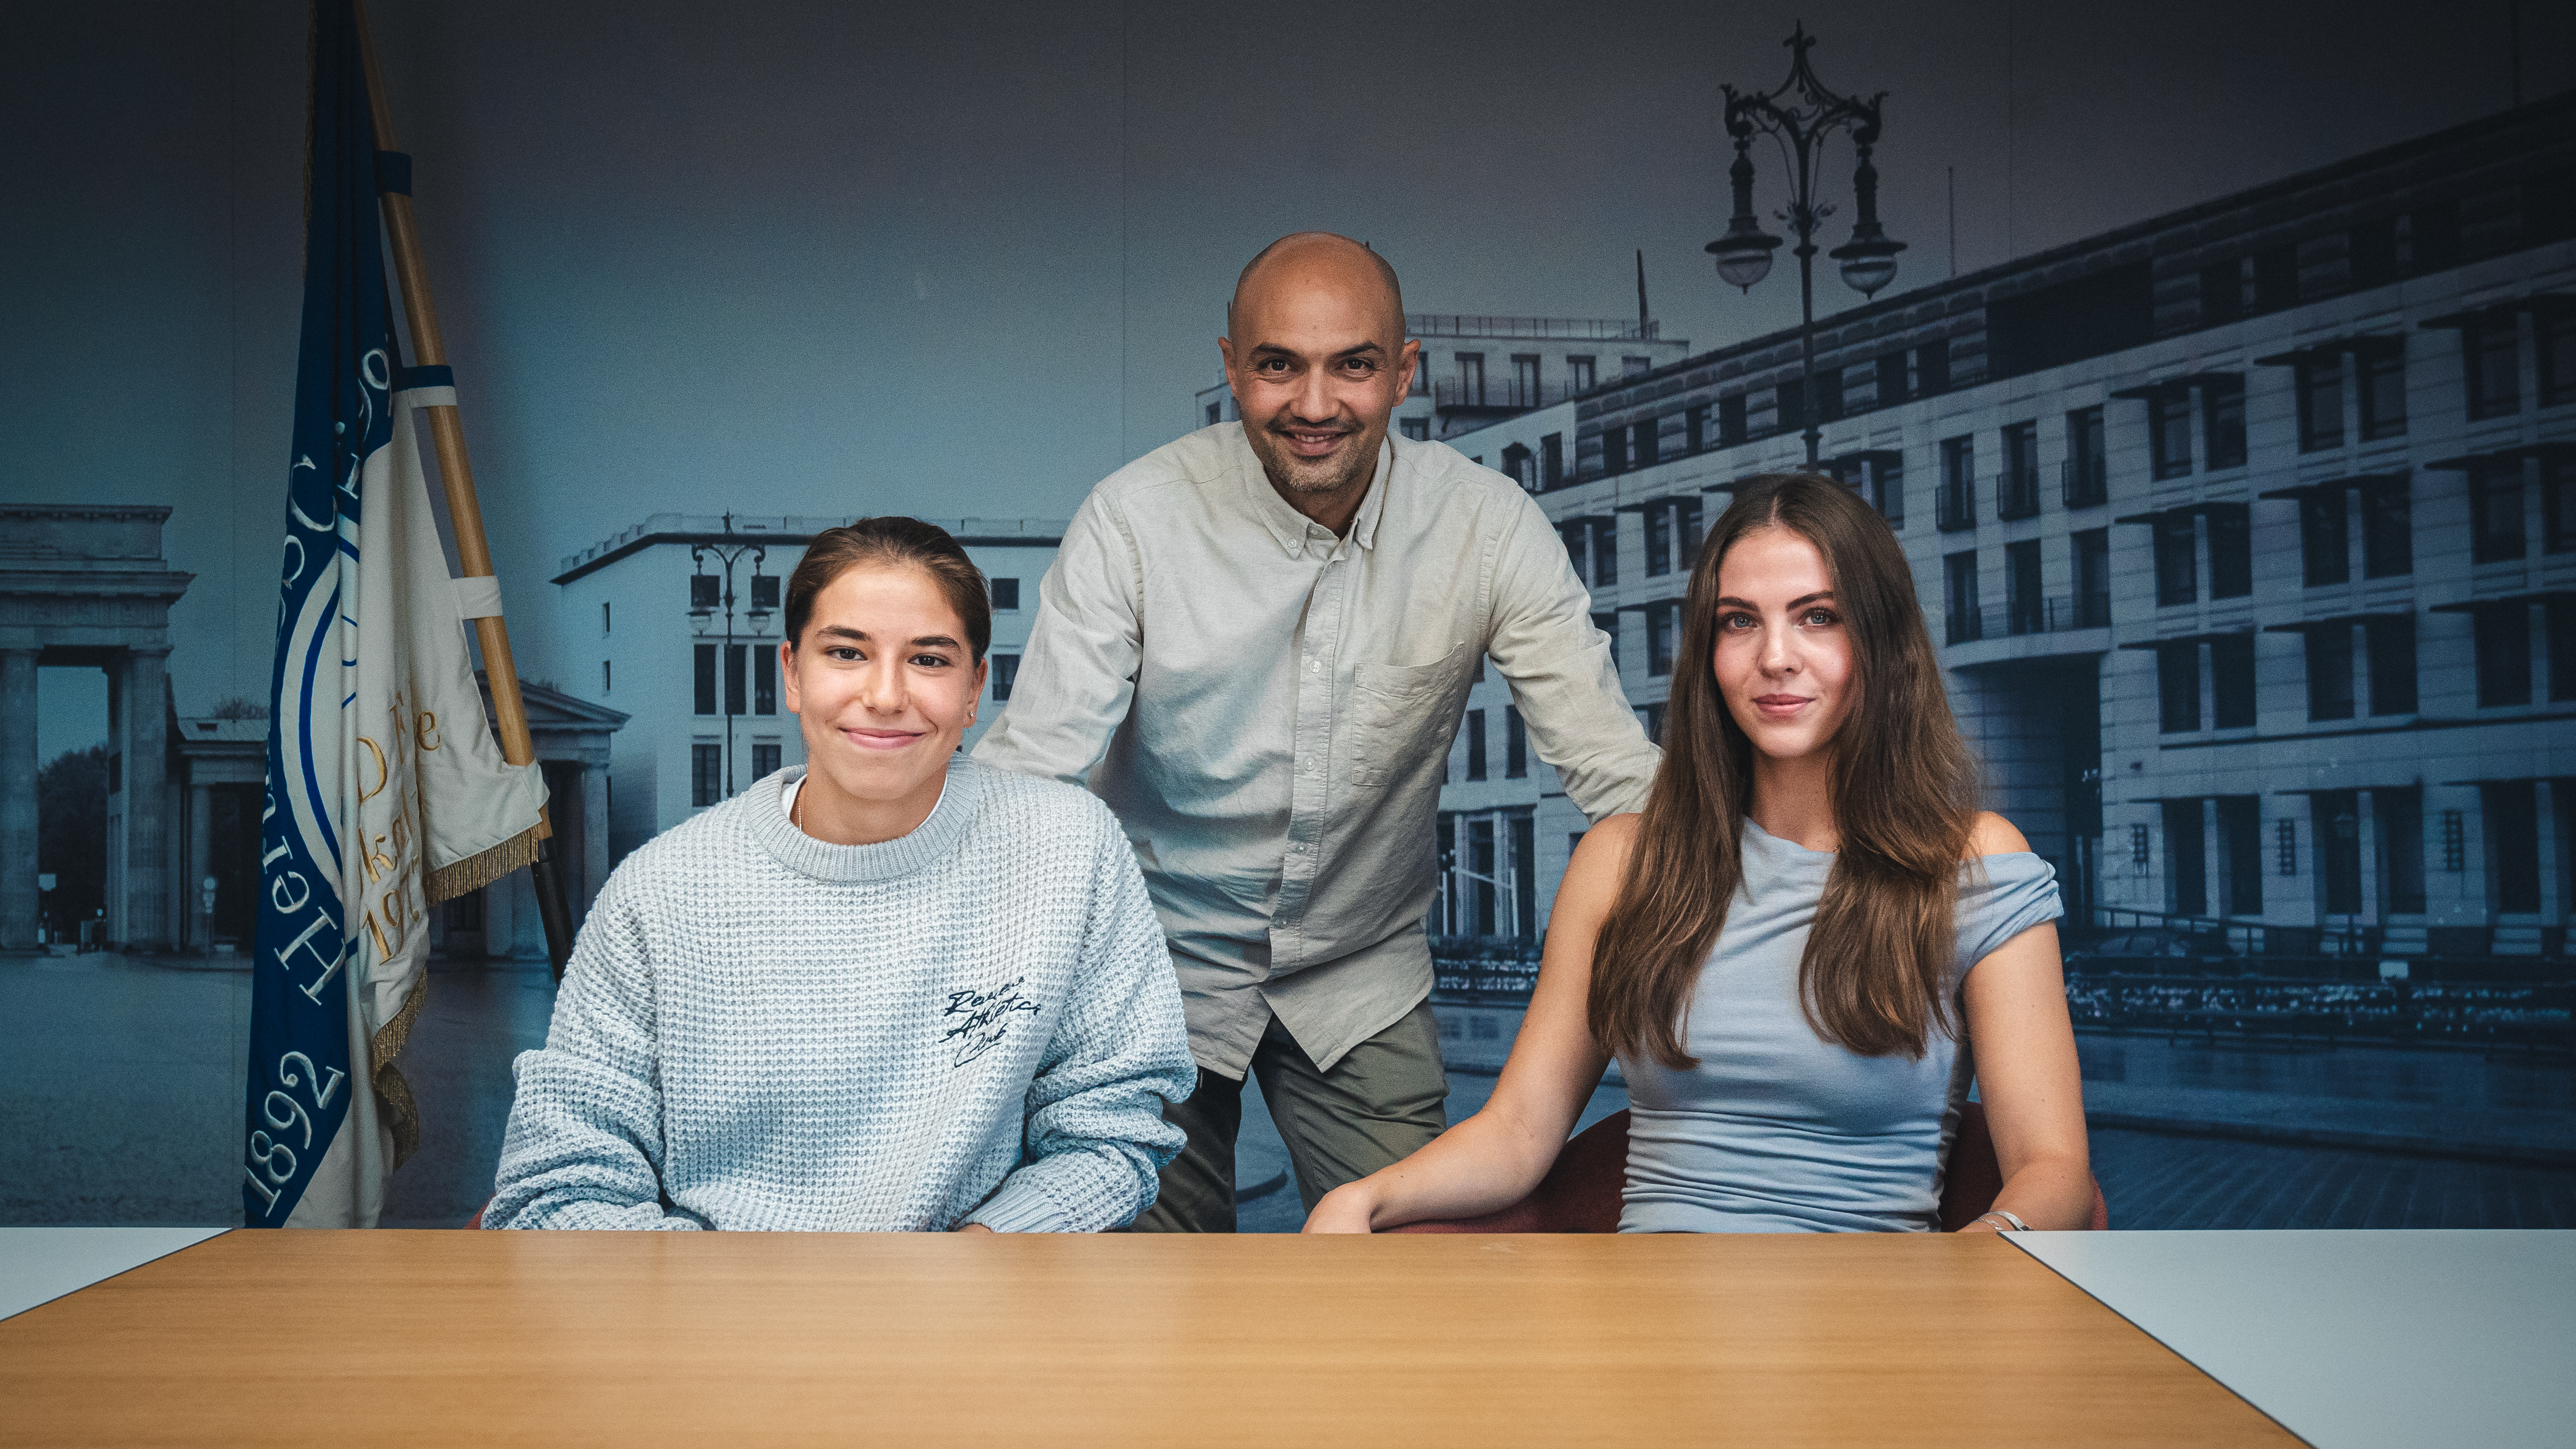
(977,1022)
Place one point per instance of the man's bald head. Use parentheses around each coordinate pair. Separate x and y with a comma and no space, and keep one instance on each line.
(1318,259)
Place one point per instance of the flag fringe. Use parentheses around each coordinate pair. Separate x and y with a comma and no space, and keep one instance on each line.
(479,870)
(401,1112)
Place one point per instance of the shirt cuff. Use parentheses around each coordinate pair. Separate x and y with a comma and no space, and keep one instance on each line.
(1021,1207)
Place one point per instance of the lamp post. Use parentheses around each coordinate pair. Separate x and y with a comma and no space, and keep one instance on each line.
(1800,114)
(704,600)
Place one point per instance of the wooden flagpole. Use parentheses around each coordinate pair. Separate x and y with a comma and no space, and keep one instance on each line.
(464,512)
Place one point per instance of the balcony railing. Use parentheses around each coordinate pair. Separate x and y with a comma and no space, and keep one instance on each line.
(1496,395)
(2081,482)
(2017,493)
(1954,505)
(1575,329)
(2057,614)
(1965,626)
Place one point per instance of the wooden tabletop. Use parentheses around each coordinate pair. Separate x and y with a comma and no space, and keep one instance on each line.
(282,1338)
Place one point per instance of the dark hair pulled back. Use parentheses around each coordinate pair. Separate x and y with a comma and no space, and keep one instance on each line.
(893,539)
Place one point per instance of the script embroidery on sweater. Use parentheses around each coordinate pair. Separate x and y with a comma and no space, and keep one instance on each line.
(983,1018)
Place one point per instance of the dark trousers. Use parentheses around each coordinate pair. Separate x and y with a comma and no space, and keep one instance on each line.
(1384,1100)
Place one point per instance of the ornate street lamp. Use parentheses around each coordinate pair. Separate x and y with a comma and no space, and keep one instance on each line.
(1800,114)
(702,612)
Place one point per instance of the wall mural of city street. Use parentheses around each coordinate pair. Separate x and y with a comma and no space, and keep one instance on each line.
(2216,375)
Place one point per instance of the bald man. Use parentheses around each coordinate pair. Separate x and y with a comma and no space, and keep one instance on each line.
(1255,644)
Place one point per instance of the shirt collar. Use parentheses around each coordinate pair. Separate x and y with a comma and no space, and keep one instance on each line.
(1292,530)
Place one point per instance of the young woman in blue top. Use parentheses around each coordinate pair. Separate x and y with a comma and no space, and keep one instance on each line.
(1791,952)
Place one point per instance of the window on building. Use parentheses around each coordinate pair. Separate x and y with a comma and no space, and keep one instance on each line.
(1605,552)
(1635,366)
(1515,745)
(1887,487)
(1525,388)
(1659,540)
(2513,844)
(1418,429)
(1829,394)
(2320,390)
(2025,610)
(1577,538)
(1475,732)
(2092,577)
(1695,428)
(2169,433)
(2400,815)
(1608,624)
(1614,449)
(1789,404)
(2335,817)
(1686,533)
(706,678)
(2330,695)
(2240,851)
(764,679)
(2177,562)
(2503,653)
(2391,643)
(2492,352)
(2495,513)
(607,677)
(1524,834)
(603,616)
(1660,627)
(2276,277)
(1005,670)
(1732,429)
(2381,373)
(2387,529)
(2231,682)
(1215,414)
(2558,505)
(2087,469)
(1932,367)
(2017,492)
(1481,863)
(2222,406)
(1421,375)
(2554,339)
(1962,619)
(1645,443)
(1578,373)
(764,759)
(2432,239)
(1520,466)
(2370,250)
(1551,460)
(2559,618)
(1891,379)
(1006,595)
(2222,292)
(2549,207)
(736,697)
(706,775)
(2178,687)
(2325,542)
(2186,859)
(1956,507)
(2231,551)
(764,593)
(704,591)
(1471,379)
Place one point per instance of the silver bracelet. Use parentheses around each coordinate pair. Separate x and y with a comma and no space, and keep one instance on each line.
(2013,1223)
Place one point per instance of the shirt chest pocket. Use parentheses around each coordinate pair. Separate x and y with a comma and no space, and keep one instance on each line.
(1396,715)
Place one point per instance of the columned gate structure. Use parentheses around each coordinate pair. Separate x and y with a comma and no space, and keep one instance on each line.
(87,586)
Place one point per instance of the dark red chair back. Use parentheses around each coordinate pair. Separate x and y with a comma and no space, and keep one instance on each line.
(1580,1194)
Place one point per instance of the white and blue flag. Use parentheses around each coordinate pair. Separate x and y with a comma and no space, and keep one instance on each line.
(386,792)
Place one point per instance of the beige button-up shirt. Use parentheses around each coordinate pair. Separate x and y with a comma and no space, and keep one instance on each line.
(1268,706)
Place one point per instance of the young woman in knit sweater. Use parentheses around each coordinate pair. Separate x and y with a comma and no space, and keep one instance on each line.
(890,990)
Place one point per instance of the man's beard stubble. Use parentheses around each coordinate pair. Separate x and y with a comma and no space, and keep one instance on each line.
(1344,469)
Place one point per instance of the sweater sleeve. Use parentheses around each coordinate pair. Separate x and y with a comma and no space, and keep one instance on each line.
(1096,1137)
(584,1144)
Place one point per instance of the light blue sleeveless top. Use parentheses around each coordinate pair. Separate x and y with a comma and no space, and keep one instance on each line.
(1776,1130)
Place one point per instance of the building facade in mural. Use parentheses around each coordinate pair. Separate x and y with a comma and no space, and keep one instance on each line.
(2247,535)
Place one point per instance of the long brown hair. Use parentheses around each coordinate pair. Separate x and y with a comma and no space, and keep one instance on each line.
(1876,971)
